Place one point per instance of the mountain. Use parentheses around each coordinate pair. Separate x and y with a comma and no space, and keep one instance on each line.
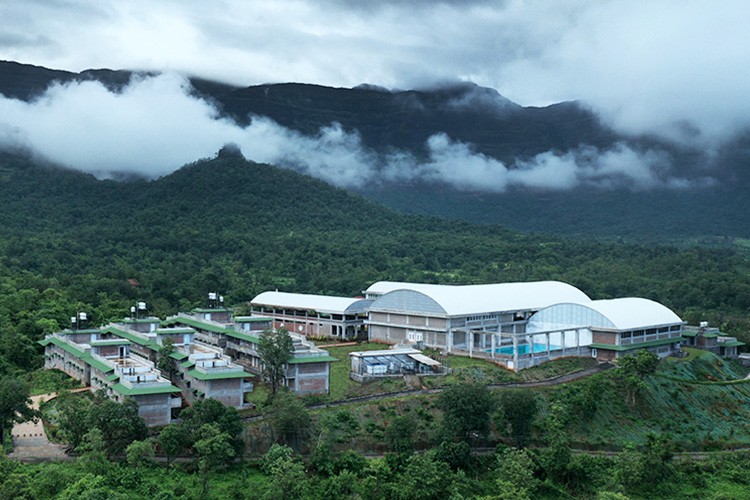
(384,119)
(494,127)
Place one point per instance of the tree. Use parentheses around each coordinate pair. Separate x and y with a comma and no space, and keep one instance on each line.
(214,451)
(557,455)
(172,440)
(289,419)
(424,477)
(517,411)
(73,416)
(515,474)
(399,435)
(140,452)
(275,349)
(92,455)
(211,411)
(633,369)
(119,423)
(466,411)
(656,460)
(286,473)
(165,363)
(15,405)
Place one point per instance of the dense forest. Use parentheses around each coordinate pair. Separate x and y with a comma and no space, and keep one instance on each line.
(70,242)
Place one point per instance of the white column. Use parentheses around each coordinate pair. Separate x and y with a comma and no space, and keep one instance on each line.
(470,337)
(493,346)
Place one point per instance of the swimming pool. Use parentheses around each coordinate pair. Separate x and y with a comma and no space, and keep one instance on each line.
(524,349)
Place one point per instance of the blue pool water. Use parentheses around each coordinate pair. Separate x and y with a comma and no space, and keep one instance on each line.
(524,349)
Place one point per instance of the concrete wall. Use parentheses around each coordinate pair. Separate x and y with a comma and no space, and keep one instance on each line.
(309,378)
(228,391)
(74,367)
(109,350)
(604,338)
(155,409)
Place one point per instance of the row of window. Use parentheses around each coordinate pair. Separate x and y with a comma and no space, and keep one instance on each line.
(481,317)
(650,331)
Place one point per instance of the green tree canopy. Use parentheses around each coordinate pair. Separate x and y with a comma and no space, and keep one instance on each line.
(275,349)
(516,413)
(15,405)
(466,411)
(119,423)
(290,420)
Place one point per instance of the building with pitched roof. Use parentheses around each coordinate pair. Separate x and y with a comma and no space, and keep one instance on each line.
(314,315)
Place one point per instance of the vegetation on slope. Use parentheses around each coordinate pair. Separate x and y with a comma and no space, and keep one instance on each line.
(69,242)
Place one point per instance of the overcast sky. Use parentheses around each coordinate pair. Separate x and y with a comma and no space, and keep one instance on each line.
(676,67)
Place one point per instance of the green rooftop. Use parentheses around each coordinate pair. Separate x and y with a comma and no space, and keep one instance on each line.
(695,334)
(312,359)
(78,353)
(84,331)
(199,375)
(631,347)
(178,355)
(99,365)
(243,336)
(195,323)
(731,343)
(142,391)
(175,330)
(252,319)
(105,342)
(136,339)
(65,346)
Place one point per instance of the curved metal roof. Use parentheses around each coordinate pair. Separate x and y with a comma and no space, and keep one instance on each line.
(625,313)
(461,300)
(319,303)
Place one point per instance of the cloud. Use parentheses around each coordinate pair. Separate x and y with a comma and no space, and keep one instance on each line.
(154,125)
(668,67)
(455,164)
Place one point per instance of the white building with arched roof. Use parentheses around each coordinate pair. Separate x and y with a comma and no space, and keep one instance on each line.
(459,317)
(611,328)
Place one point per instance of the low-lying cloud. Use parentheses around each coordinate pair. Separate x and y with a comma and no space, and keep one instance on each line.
(155,125)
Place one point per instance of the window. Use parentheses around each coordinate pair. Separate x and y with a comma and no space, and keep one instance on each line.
(414,336)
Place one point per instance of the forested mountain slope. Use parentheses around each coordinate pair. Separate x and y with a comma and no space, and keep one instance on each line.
(711,206)
(70,242)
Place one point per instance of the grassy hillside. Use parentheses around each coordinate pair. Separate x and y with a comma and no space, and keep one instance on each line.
(688,398)
(684,399)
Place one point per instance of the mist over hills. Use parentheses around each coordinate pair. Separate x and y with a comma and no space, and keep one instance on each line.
(457,151)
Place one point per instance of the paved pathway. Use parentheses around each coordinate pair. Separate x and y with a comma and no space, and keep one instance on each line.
(30,443)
